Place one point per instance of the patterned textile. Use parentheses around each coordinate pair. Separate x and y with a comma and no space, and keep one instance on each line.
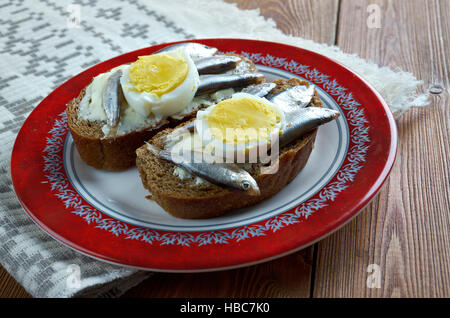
(44,43)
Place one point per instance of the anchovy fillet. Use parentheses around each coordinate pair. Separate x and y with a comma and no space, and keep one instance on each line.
(211,83)
(227,175)
(306,119)
(216,64)
(112,97)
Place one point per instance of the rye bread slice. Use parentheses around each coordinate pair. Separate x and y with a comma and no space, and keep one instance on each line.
(186,199)
(118,152)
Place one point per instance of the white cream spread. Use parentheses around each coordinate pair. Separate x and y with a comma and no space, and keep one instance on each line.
(183,174)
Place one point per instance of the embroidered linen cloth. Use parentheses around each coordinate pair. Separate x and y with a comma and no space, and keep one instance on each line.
(46,42)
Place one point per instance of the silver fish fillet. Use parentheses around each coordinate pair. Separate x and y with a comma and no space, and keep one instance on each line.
(301,119)
(112,97)
(211,83)
(306,120)
(195,50)
(216,64)
(293,99)
(259,90)
(227,175)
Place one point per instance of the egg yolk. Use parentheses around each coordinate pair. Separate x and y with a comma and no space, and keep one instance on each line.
(158,74)
(242,120)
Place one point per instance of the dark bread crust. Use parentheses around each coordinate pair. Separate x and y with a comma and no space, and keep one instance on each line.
(183,200)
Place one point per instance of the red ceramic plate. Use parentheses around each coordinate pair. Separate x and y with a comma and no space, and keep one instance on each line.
(105,215)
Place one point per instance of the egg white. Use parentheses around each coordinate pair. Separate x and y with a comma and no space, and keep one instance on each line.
(237,151)
(169,103)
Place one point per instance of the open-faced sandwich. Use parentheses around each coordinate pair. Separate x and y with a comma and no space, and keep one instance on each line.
(236,152)
(126,106)
(207,132)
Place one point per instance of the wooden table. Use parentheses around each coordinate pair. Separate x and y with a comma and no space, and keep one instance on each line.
(405,230)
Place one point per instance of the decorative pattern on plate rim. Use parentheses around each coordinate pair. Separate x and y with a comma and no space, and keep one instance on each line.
(359,145)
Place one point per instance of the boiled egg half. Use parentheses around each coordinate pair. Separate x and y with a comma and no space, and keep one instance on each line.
(160,84)
(239,126)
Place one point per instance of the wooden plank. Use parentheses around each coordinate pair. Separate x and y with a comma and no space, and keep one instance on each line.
(9,288)
(405,230)
(289,276)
